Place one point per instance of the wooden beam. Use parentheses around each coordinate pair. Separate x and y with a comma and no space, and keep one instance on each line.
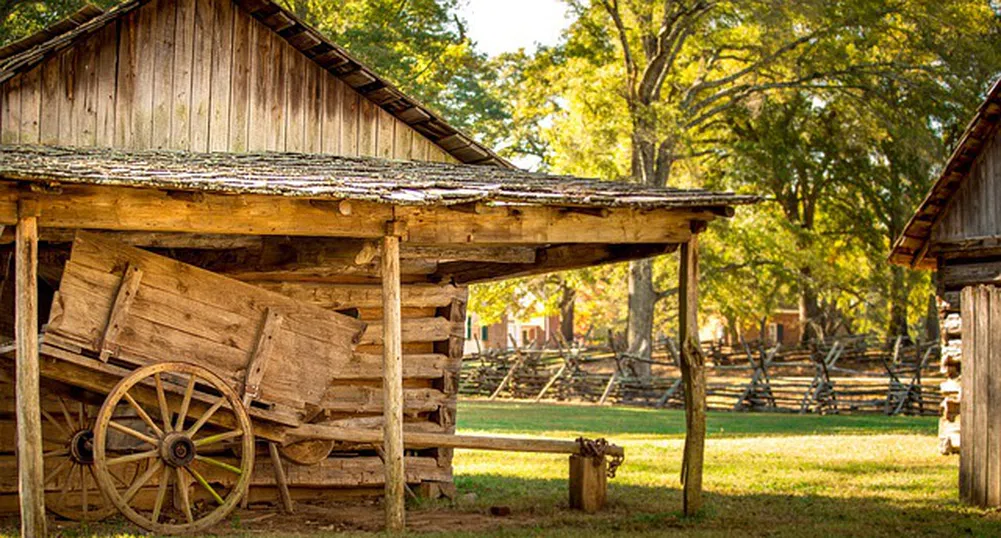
(30,466)
(392,383)
(548,260)
(147,210)
(694,376)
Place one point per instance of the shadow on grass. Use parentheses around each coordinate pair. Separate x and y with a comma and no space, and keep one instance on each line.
(542,508)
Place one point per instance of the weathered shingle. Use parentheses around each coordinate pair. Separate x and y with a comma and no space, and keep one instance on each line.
(328,176)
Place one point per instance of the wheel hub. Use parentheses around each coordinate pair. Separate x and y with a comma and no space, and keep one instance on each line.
(82,447)
(177,450)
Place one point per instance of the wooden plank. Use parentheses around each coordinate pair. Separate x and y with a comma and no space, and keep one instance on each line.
(128,65)
(243,86)
(275,126)
(588,483)
(183,63)
(344,296)
(69,108)
(387,134)
(412,330)
(224,74)
(966,406)
(260,357)
(981,396)
(393,386)
(52,99)
(295,102)
(142,106)
(29,418)
(994,397)
(10,111)
(107,70)
(693,374)
(314,107)
(119,310)
(164,20)
(402,147)
(30,102)
(202,57)
(350,117)
(367,128)
(332,94)
(260,80)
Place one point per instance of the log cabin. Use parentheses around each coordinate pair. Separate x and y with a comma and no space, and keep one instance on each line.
(231,136)
(956,231)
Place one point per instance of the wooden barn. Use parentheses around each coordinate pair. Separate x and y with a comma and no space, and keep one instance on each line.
(226,136)
(957,231)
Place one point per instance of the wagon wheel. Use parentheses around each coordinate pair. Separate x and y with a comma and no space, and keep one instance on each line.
(69,468)
(176,448)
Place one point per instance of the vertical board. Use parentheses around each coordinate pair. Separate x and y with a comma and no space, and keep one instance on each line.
(68,89)
(314,107)
(164,18)
(349,120)
(966,393)
(295,96)
(184,59)
(84,125)
(244,50)
(274,125)
(142,106)
(994,407)
(387,135)
(128,64)
(404,141)
(10,111)
(30,91)
(222,75)
(51,101)
(332,93)
(367,128)
(981,393)
(260,77)
(107,72)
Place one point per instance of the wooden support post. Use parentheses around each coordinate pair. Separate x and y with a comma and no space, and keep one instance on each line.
(588,483)
(283,492)
(392,382)
(30,470)
(694,376)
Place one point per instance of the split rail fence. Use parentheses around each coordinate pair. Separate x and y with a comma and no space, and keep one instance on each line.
(846,375)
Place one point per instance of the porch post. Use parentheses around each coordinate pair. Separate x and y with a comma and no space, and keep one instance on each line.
(392,380)
(30,471)
(693,375)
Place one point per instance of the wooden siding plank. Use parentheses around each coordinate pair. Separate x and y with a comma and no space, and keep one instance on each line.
(142,118)
(993,495)
(260,78)
(201,74)
(275,127)
(332,94)
(244,52)
(163,73)
(223,73)
(52,98)
(183,63)
(349,121)
(314,107)
(68,110)
(404,141)
(84,123)
(367,128)
(30,91)
(10,115)
(107,91)
(981,393)
(295,101)
(128,59)
(966,450)
(387,134)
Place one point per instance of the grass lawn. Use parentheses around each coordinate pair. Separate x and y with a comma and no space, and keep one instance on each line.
(765,475)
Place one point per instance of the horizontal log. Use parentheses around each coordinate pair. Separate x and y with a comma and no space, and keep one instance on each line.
(147,210)
(954,276)
(432,440)
(343,296)
(416,330)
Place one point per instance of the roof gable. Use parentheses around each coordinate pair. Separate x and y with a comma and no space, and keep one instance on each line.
(911,248)
(307,52)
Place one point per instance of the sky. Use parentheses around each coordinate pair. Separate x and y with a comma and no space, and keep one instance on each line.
(499,26)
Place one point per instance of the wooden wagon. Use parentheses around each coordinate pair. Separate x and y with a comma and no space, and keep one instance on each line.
(183,364)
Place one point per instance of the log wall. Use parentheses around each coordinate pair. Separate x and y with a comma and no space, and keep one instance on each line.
(200,75)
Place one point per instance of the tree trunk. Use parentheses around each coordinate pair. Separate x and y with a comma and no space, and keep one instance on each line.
(933,332)
(642,298)
(567,301)
(809,307)
(898,303)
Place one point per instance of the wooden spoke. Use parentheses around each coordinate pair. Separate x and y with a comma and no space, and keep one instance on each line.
(139,456)
(205,484)
(56,471)
(218,438)
(83,489)
(161,494)
(56,453)
(67,415)
(205,418)
(219,464)
(142,480)
(185,403)
(161,397)
(62,429)
(129,431)
(182,492)
(143,414)
(66,485)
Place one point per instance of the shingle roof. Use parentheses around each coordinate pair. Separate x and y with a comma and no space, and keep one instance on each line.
(912,245)
(307,40)
(328,176)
